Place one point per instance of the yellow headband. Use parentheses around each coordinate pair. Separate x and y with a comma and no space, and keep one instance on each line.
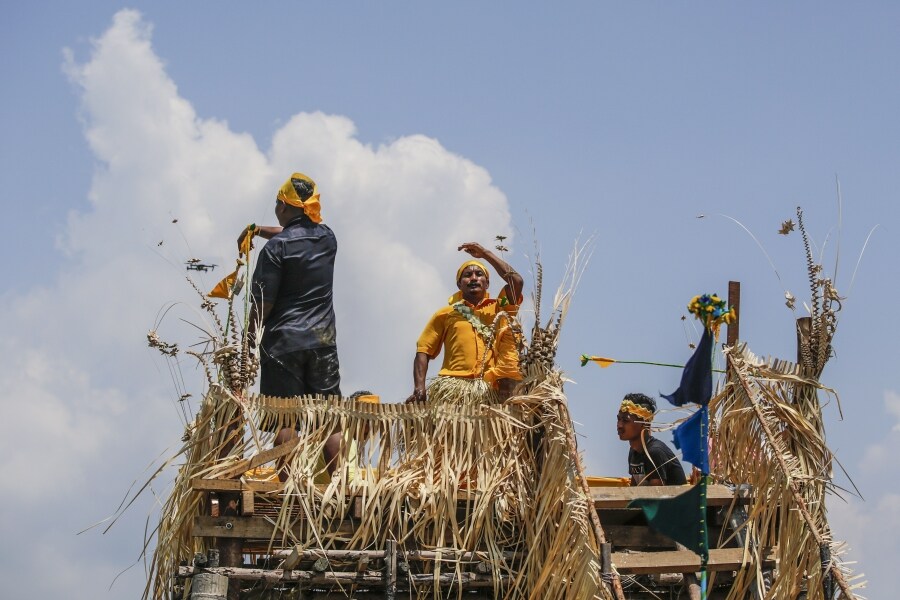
(311,206)
(457,296)
(472,263)
(369,398)
(644,413)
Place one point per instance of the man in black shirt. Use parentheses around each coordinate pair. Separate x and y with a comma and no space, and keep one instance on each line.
(293,299)
(650,461)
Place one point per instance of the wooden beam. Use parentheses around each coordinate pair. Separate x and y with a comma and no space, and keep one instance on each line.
(683,561)
(346,577)
(234,485)
(619,497)
(248,527)
(281,575)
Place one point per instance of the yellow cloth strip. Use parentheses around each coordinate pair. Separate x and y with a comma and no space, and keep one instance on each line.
(224,287)
(603,362)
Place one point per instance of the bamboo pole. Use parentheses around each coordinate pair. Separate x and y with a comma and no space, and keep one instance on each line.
(374,578)
(614,582)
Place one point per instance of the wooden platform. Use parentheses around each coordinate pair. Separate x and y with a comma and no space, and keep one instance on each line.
(636,550)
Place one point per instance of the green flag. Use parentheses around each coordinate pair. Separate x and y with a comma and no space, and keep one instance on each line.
(682,518)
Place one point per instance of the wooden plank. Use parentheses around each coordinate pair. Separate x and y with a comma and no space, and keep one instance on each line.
(717,495)
(201,484)
(247,527)
(681,561)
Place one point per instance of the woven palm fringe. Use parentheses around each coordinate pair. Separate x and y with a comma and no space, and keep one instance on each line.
(784,397)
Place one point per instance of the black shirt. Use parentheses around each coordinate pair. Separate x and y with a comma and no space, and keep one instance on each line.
(660,464)
(295,273)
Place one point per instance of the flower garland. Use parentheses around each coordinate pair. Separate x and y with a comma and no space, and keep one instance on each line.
(712,311)
(483,330)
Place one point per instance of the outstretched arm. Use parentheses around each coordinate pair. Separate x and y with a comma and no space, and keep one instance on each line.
(514,281)
(264,231)
(420,370)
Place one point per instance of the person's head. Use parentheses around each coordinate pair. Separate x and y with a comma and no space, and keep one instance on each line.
(472,279)
(367,397)
(295,198)
(635,415)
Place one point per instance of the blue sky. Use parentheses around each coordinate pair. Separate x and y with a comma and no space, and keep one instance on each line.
(428,125)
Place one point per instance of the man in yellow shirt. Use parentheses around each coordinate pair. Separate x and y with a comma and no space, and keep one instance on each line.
(476,348)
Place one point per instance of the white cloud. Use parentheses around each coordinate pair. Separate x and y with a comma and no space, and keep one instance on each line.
(89,405)
(871,527)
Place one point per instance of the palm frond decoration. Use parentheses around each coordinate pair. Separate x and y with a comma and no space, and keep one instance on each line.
(767,441)
(769,435)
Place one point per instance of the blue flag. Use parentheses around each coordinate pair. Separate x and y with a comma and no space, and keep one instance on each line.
(690,437)
(696,379)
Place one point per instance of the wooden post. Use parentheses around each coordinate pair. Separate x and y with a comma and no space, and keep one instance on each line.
(606,560)
(734,301)
(390,570)
(209,586)
(231,549)
(247,503)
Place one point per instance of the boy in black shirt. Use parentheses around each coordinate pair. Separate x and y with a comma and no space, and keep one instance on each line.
(650,461)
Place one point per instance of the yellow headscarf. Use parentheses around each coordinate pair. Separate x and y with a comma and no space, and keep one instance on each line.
(472,263)
(642,412)
(457,296)
(311,206)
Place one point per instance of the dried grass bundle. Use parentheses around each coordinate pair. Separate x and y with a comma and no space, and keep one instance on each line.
(767,435)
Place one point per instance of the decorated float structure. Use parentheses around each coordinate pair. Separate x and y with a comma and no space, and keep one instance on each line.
(491,501)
